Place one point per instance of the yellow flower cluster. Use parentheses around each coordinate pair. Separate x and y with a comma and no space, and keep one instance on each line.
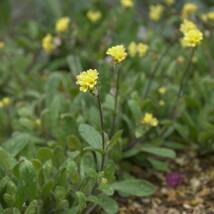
(94,15)
(104,181)
(162,90)
(38,122)
(87,80)
(192,38)
(188,9)
(139,48)
(169,2)
(155,12)
(142,49)
(118,53)
(48,43)
(127,3)
(5,102)
(208,17)
(62,24)
(150,120)
(2,44)
(187,25)
(161,103)
(192,35)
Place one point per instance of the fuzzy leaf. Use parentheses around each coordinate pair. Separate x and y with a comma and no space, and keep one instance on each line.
(91,136)
(134,187)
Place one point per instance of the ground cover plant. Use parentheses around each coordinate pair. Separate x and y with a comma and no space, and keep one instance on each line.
(91,90)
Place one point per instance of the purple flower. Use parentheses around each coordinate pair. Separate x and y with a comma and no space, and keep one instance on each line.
(173,179)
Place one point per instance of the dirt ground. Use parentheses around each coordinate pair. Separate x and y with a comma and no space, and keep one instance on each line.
(187,189)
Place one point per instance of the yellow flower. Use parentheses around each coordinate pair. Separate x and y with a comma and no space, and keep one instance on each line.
(38,122)
(5,102)
(48,43)
(180,60)
(87,80)
(127,3)
(188,9)
(94,15)
(62,24)
(187,26)
(169,2)
(162,90)
(118,53)
(2,44)
(139,48)
(192,38)
(149,119)
(155,12)
(104,180)
(192,35)
(142,49)
(132,49)
(210,16)
(161,103)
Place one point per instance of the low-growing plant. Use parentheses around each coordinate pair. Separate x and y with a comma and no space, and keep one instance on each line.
(69,137)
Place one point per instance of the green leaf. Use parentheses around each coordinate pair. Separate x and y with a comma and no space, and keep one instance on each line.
(135,109)
(27,186)
(159,151)
(91,136)
(32,208)
(6,160)
(5,12)
(47,188)
(108,204)
(55,7)
(109,102)
(44,154)
(74,64)
(115,139)
(56,108)
(132,152)
(3,182)
(59,156)
(134,187)
(73,143)
(54,83)
(80,200)
(9,199)
(159,165)
(19,141)
(72,171)
(12,211)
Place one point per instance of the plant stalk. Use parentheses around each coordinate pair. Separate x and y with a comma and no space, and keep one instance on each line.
(154,71)
(186,74)
(116,70)
(102,131)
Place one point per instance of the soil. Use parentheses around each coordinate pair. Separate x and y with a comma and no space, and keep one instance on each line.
(190,190)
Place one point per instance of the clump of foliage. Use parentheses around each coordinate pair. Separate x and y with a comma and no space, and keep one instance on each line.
(88,88)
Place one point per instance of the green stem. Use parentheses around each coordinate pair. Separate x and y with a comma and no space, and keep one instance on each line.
(186,74)
(115,99)
(102,131)
(154,71)
(92,207)
(184,79)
